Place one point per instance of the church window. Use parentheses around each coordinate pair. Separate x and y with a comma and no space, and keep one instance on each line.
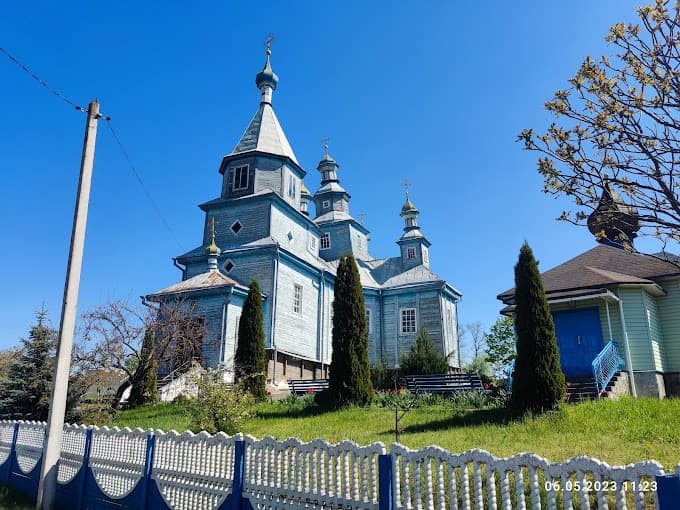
(236,227)
(408,320)
(325,241)
(369,325)
(410,253)
(312,243)
(297,299)
(326,204)
(426,257)
(228,266)
(240,177)
(290,236)
(291,186)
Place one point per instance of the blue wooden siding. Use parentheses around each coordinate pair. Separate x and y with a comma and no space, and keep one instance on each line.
(669,319)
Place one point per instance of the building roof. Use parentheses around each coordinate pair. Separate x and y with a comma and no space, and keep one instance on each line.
(265,134)
(203,281)
(601,267)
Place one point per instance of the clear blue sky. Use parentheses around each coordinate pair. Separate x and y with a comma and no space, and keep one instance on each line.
(435,92)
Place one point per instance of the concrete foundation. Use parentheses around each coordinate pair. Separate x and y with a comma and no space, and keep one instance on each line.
(650,384)
(672,381)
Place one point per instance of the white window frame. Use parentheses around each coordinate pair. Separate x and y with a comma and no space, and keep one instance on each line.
(369,322)
(411,252)
(408,324)
(312,243)
(291,186)
(297,299)
(237,171)
(325,240)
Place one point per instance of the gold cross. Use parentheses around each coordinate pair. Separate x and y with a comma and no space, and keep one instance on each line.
(268,42)
(324,142)
(406,185)
(213,229)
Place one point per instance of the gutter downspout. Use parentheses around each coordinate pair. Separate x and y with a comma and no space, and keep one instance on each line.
(629,361)
(223,332)
(275,286)
(177,265)
(609,320)
(320,321)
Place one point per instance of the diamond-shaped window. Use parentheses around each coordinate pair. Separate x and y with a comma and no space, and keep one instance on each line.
(290,236)
(229,266)
(236,227)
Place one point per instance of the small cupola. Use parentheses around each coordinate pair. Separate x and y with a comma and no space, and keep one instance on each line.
(613,222)
(414,246)
(212,250)
(267,80)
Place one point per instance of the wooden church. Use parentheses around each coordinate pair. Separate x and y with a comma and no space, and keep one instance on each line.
(261,227)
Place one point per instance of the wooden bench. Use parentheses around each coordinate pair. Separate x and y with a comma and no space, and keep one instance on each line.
(304,386)
(443,383)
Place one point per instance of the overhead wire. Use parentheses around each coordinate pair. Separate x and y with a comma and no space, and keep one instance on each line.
(126,155)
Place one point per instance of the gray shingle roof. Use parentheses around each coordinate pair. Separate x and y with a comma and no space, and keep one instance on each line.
(264,134)
(203,281)
(602,266)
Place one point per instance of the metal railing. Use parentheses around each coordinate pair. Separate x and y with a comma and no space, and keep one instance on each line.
(605,366)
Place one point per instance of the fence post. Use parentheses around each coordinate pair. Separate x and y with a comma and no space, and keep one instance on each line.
(80,503)
(385,482)
(667,491)
(148,465)
(237,485)
(12,452)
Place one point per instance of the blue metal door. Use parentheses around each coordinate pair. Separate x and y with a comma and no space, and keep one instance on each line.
(579,337)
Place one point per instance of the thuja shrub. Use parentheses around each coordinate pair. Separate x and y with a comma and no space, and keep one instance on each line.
(220,407)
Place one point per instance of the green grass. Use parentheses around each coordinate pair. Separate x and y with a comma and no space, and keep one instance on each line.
(617,432)
(14,500)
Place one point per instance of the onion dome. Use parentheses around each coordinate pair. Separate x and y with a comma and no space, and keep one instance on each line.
(613,222)
(408,207)
(267,77)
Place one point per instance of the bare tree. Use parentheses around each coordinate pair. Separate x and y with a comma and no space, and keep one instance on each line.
(472,339)
(619,128)
(112,338)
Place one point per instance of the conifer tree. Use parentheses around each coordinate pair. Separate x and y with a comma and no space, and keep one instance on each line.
(145,390)
(25,393)
(424,357)
(538,383)
(350,380)
(250,354)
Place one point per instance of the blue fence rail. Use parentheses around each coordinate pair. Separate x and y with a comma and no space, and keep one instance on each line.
(605,365)
(126,469)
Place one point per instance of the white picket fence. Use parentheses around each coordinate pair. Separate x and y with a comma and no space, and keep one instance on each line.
(197,471)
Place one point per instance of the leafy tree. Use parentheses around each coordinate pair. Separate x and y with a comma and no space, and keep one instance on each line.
(538,383)
(424,358)
(501,342)
(250,354)
(480,366)
(146,391)
(350,381)
(617,125)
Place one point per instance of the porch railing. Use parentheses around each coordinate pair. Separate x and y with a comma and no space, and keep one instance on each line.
(605,365)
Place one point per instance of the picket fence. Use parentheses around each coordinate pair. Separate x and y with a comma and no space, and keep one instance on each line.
(135,469)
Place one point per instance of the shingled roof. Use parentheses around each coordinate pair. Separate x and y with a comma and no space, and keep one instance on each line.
(600,268)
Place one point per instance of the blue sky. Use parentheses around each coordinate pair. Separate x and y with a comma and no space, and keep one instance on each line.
(435,92)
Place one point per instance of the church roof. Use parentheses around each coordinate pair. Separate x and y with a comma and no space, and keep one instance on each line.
(333,216)
(390,273)
(265,134)
(601,267)
(203,281)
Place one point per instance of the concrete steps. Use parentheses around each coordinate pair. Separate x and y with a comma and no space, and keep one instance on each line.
(580,388)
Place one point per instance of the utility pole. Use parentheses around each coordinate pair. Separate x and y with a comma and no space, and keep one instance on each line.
(55,423)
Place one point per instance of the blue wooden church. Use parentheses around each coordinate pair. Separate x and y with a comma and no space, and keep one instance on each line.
(261,227)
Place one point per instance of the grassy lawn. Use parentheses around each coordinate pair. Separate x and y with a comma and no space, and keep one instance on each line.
(617,432)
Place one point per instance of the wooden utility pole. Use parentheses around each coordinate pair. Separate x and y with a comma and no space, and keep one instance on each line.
(55,422)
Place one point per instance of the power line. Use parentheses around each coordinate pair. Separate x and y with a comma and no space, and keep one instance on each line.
(141,183)
(41,81)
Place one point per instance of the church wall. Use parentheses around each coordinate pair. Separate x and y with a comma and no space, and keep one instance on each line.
(340,241)
(327,325)
(234,311)
(251,214)
(300,244)
(450,321)
(372,305)
(296,332)
(210,309)
(359,243)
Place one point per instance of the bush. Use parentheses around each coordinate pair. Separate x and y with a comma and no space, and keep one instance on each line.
(383,377)
(220,407)
(424,357)
(249,360)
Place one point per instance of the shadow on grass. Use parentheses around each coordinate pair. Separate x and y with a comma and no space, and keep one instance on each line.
(293,412)
(499,417)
